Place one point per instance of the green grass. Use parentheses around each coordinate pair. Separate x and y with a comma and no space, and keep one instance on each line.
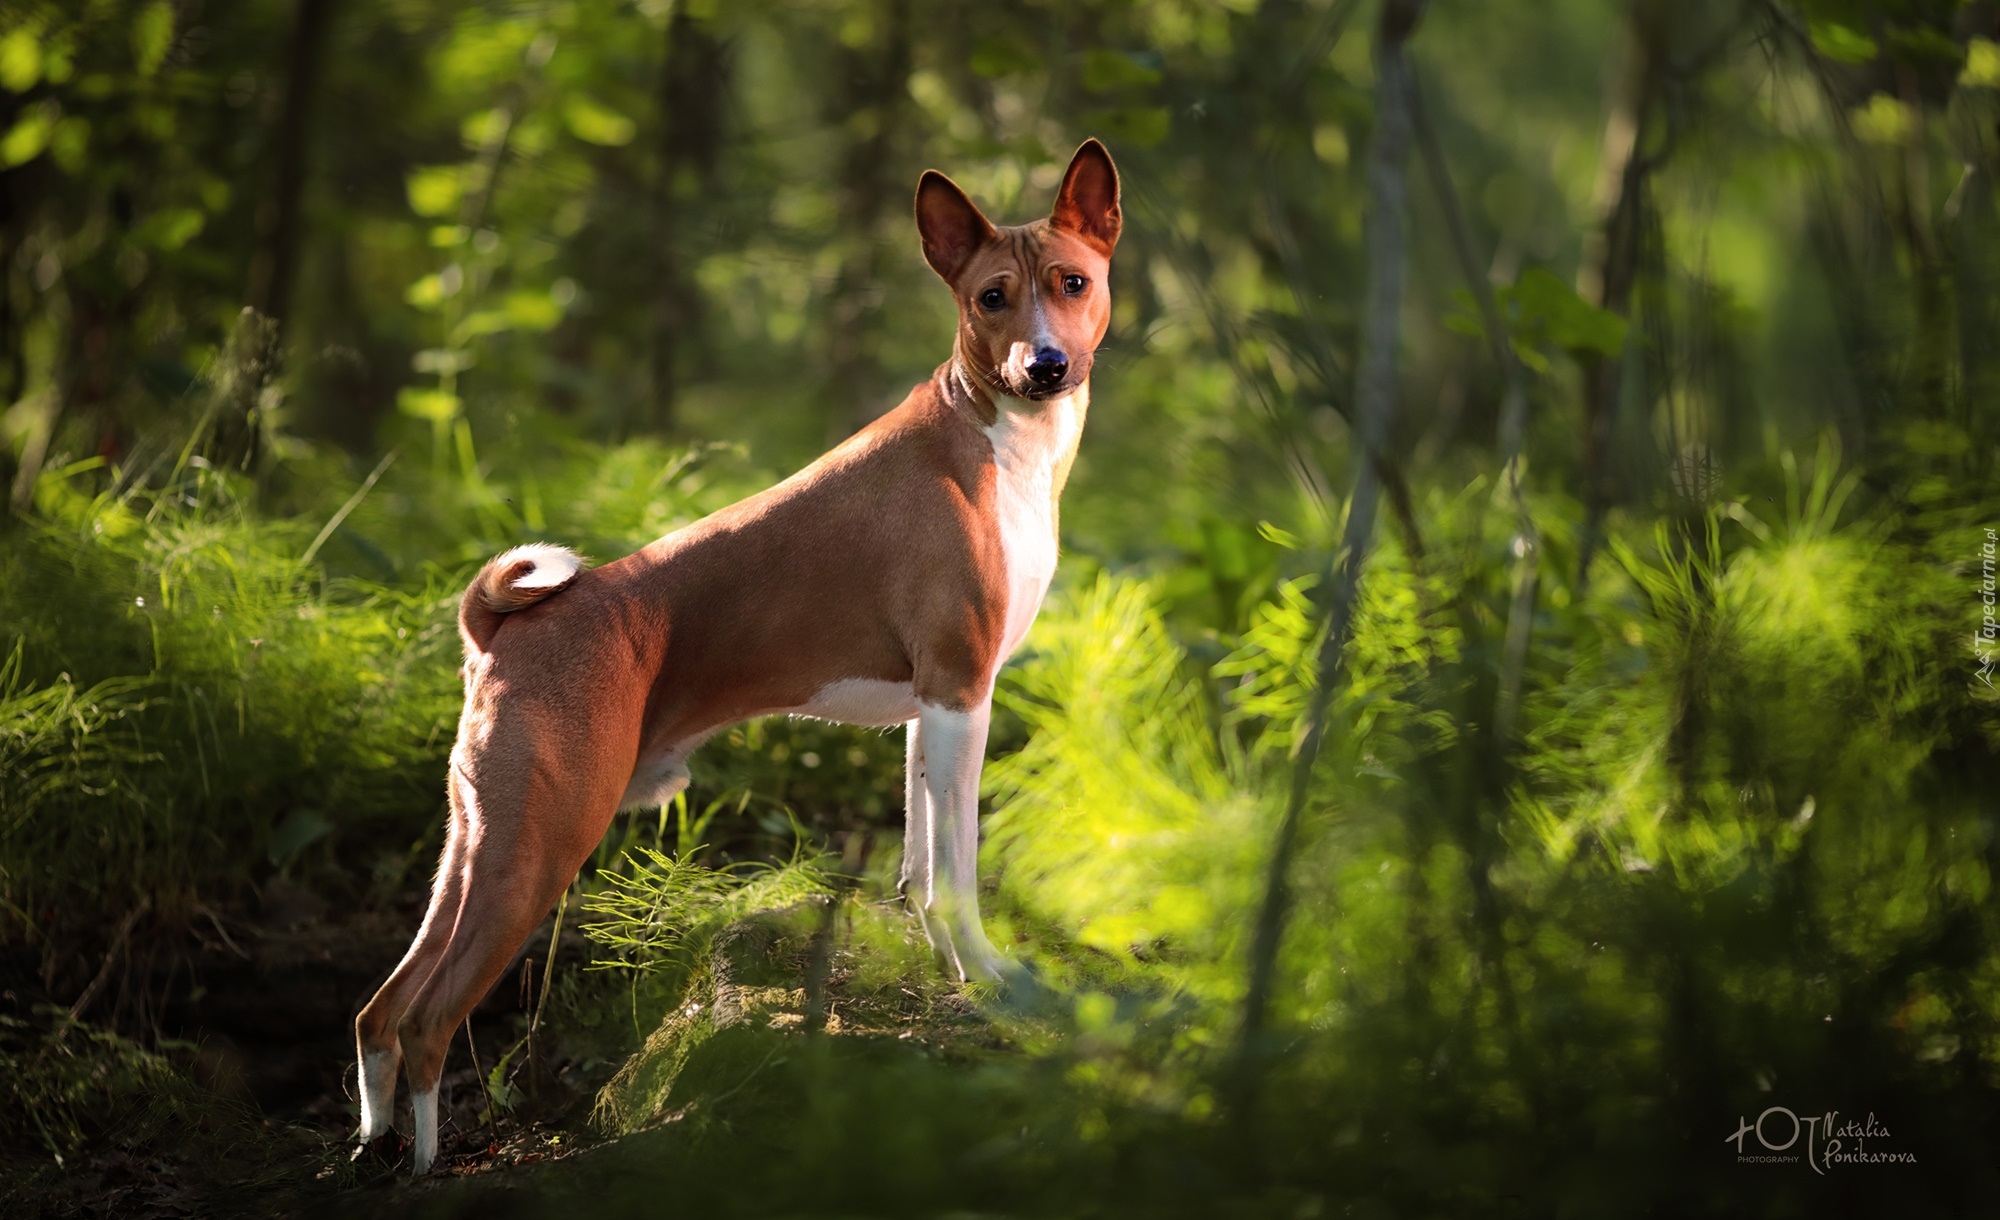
(201,706)
(1740,855)
(1737,863)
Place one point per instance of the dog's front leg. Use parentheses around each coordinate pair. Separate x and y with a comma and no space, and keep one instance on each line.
(952,749)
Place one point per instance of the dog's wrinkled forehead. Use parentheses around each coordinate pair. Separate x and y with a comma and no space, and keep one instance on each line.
(1028,252)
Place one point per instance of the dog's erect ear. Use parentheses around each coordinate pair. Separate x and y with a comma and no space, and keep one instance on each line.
(951,225)
(1087,204)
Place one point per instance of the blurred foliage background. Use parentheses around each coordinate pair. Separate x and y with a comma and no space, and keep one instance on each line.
(1659,781)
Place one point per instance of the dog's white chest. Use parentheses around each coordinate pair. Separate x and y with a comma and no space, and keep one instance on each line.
(1032,443)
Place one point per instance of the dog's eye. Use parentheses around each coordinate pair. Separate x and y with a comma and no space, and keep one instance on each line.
(993,298)
(1073,284)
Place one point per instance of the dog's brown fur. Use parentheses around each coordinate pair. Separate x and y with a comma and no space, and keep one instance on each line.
(883,561)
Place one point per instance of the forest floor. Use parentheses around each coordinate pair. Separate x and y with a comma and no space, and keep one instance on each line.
(266,1036)
(263,1120)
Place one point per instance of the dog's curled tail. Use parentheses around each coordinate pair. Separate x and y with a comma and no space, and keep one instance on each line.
(510,581)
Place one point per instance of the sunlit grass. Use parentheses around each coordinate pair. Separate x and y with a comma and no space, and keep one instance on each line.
(1734,793)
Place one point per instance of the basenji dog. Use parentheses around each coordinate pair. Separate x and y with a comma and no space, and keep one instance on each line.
(884,584)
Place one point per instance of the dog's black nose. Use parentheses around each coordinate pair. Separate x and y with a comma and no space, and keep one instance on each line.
(1048,368)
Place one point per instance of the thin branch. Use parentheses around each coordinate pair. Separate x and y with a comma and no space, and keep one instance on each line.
(215,921)
(542,1001)
(353,502)
(1513,425)
(1375,404)
(111,956)
(478,1071)
(1401,505)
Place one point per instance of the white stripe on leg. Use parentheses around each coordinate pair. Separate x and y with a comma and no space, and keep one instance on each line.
(425,1107)
(915,879)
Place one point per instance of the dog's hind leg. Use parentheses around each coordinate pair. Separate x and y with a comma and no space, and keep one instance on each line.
(375,1029)
(530,828)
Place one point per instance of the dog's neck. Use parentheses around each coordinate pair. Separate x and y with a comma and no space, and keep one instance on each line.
(1035,444)
(970,380)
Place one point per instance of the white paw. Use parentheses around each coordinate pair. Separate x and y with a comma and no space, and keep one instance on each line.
(424,1148)
(378,1094)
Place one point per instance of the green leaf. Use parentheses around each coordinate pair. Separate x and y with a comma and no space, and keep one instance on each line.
(435,189)
(442,360)
(481,322)
(1838,42)
(532,310)
(597,124)
(428,292)
(438,406)
(170,228)
(1144,126)
(1464,316)
(1330,144)
(1107,70)
(152,35)
(29,136)
(996,57)
(1884,120)
(300,830)
(1283,537)
(1531,359)
(485,127)
(21,58)
(1596,330)
(1549,304)
(70,144)
(1982,65)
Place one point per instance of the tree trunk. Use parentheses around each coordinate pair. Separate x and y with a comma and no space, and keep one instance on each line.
(871,107)
(694,78)
(1611,256)
(1927,263)
(13,339)
(275,269)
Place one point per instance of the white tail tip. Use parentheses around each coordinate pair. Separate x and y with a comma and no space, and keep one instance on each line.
(553,565)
